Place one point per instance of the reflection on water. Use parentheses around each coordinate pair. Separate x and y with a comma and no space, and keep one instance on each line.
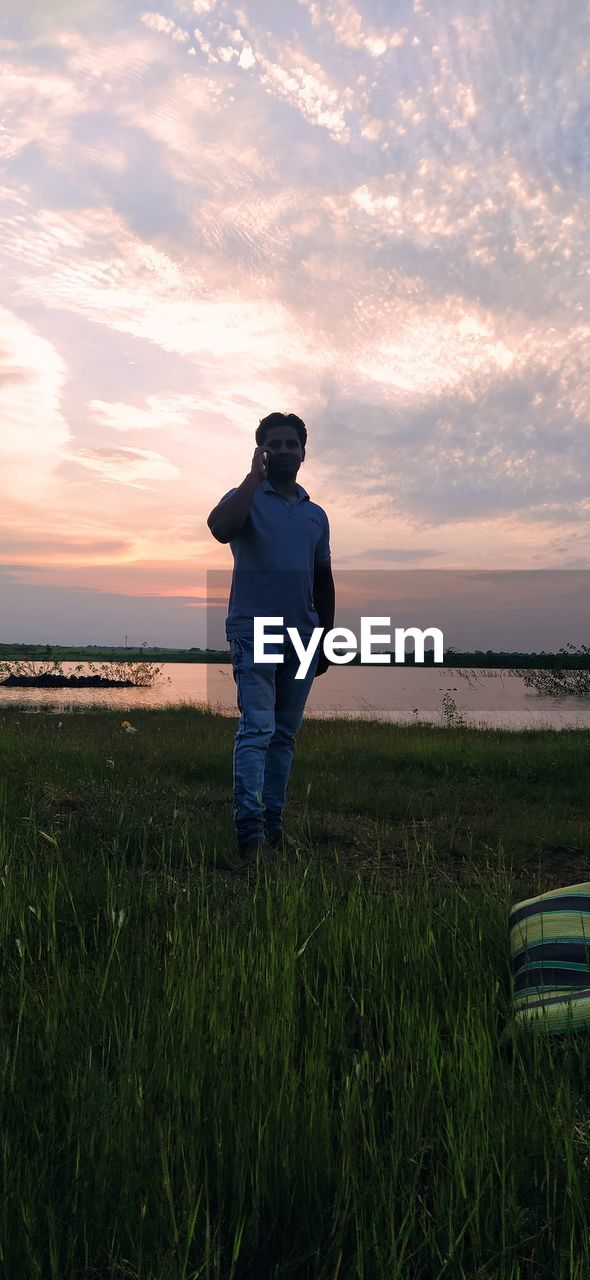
(495,699)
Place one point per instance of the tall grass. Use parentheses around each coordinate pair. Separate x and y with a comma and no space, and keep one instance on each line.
(298,1074)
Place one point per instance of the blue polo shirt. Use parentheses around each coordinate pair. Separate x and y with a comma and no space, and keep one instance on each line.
(275,554)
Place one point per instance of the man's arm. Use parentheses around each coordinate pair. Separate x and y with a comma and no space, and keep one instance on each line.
(324,595)
(227,518)
(323,598)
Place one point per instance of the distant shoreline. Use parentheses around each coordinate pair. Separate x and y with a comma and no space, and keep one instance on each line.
(452,659)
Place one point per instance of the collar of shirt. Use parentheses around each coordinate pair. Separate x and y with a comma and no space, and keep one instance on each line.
(302,494)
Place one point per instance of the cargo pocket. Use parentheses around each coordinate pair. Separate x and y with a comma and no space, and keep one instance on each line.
(235,650)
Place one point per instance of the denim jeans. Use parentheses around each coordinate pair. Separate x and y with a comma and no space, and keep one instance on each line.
(271,704)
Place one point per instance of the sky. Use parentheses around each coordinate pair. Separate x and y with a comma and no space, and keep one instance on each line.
(373,215)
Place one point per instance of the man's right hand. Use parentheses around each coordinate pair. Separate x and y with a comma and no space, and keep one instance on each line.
(258,468)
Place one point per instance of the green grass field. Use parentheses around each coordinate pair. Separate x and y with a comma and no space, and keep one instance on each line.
(296,1074)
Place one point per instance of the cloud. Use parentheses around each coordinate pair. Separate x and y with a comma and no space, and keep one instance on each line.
(34,429)
(493,449)
(41,103)
(125,467)
(157,22)
(346,25)
(396,555)
(38,20)
(132,288)
(305,86)
(162,413)
(33,549)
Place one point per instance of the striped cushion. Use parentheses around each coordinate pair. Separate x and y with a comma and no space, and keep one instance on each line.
(550,949)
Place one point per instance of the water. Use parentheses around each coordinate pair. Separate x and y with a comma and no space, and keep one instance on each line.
(494,699)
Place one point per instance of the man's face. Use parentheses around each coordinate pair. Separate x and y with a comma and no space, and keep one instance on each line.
(285,453)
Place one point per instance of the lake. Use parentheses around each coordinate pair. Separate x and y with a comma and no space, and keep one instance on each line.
(484,698)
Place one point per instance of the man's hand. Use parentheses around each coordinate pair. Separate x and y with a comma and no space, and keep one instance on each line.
(227,519)
(322,666)
(259,467)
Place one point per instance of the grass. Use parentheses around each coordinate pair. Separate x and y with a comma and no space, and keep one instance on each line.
(297,1074)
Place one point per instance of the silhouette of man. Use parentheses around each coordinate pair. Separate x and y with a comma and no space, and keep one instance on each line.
(280,542)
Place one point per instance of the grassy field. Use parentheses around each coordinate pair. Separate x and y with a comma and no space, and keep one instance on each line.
(296,1074)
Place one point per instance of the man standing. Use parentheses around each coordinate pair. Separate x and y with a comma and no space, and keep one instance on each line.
(280,542)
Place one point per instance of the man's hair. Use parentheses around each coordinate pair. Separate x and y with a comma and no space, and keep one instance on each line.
(282,420)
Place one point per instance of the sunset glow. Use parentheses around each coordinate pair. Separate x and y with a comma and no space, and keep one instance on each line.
(371,215)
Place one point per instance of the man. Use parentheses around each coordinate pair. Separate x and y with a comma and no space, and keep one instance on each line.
(280,542)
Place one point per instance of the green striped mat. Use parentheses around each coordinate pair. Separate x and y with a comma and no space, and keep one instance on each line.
(550,951)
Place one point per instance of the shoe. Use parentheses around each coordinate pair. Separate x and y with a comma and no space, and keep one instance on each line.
(249,850)
(280,840)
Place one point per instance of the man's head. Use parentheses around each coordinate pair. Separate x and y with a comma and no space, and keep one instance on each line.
(285,437)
